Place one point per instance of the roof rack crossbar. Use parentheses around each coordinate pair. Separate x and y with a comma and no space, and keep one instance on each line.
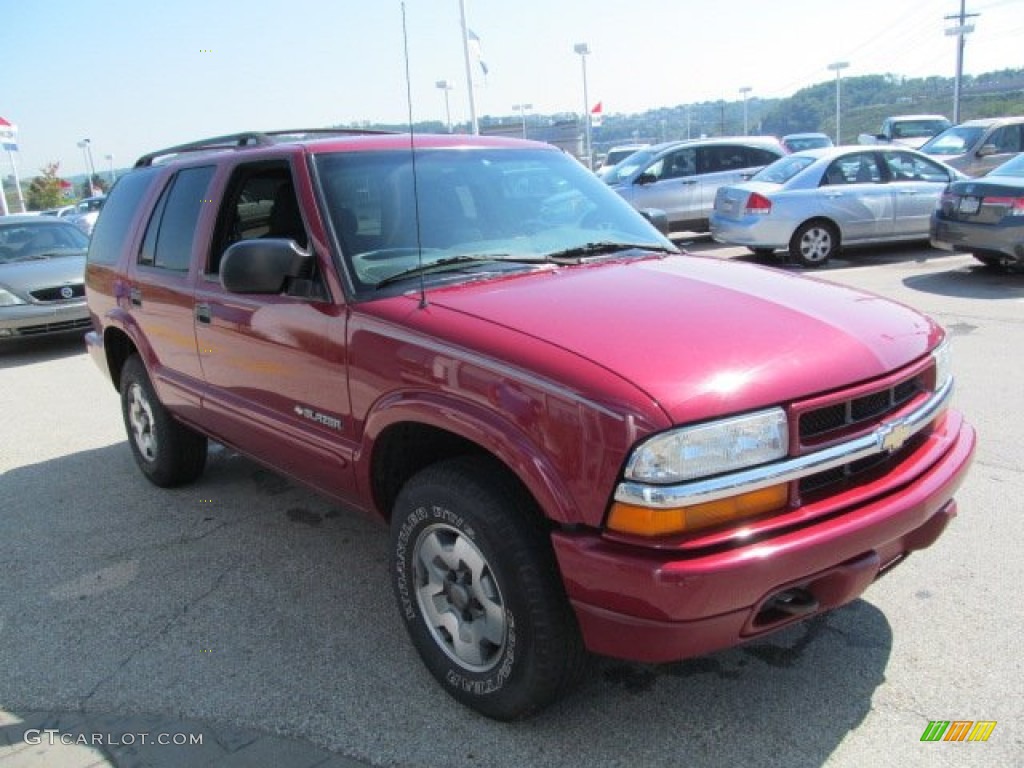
(246,139)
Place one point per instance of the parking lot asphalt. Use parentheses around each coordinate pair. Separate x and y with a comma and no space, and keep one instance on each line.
(256,615)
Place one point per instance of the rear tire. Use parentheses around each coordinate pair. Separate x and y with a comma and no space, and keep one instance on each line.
(167,452)
(478,588)
(814,243)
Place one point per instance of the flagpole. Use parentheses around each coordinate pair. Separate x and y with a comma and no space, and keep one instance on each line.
(469,68)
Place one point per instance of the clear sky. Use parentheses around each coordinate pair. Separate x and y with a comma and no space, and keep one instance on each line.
(133,75)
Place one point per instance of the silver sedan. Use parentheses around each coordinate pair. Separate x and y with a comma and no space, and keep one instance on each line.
(42,262)
(811,203)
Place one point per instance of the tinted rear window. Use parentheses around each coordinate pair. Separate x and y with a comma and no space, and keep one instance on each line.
(113,227)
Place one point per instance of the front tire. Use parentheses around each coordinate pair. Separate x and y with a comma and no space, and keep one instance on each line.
(167,452)
(814,243)
(478,588)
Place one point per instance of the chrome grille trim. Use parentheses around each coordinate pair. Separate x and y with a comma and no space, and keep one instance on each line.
(887,437)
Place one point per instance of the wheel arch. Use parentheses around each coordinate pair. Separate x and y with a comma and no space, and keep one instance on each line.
(407,434)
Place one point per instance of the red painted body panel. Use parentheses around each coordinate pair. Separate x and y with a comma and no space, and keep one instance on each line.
(636,605)
(720,337)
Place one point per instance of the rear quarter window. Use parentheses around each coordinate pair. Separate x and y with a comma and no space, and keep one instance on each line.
(114,225)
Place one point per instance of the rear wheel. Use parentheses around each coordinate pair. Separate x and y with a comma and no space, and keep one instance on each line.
(478,588)
(167,452)
(814,243)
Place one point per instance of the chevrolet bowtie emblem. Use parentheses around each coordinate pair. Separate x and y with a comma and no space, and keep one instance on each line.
(891,437)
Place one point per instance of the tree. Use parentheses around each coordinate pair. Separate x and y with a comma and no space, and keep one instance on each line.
(44,191)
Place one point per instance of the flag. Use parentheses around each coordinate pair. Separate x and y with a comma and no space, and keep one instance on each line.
(8,136)
(475,50)
(595,115)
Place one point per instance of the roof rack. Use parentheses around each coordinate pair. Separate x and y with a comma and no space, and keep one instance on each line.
(249,139)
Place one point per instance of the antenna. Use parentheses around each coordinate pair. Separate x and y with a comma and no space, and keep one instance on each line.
(412,155)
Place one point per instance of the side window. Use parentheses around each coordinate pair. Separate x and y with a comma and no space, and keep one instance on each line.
(1007,139)
(171,230)
(860,168)
(907,167)
(113,228)
(680,164)
(261,202)
(757,156)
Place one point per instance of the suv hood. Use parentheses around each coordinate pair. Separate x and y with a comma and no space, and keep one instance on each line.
(705,337)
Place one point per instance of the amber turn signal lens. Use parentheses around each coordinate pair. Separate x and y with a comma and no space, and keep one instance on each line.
(645,521)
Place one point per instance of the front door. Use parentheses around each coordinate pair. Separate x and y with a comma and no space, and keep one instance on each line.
(274,364)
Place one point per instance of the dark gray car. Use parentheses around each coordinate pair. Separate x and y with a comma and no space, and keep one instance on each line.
(42,264)
(984,217)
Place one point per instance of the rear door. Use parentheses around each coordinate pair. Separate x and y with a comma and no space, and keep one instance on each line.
(916,184)
(160,290)
(853,192)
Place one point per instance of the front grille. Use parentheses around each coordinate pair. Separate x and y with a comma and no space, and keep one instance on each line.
(56,327)
(838,419)
(867,468)
(54,293)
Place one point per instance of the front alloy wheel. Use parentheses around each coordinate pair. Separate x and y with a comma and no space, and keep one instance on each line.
(459,598)
(478,588)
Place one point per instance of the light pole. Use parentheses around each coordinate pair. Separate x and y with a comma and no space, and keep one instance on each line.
(446,86)
(110,168)
(90,169)
(584,50)
(521,108)
(838,67)
(744,91)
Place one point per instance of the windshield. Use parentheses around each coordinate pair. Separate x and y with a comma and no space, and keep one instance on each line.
(918,129)
(626,168)
(954,141)
(471,212)
(783,169)
(40,240)
(800,143)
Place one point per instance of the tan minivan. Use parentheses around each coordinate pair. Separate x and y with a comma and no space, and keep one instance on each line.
(977,146)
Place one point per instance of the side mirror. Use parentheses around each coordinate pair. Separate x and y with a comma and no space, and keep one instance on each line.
(658,218)
(645,178)
(263,266)
(987,149)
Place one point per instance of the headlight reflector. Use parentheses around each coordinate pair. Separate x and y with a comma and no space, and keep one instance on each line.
(710,449)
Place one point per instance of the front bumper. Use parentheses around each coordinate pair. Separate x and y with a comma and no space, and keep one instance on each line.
(658,606)
(43,319)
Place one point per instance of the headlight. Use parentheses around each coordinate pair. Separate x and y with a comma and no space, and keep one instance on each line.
(8,299)
(710,449)
(943,364)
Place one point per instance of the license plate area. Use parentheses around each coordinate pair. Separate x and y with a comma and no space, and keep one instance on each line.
(969,205)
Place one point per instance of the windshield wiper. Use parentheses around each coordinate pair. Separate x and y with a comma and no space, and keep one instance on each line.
(442,265)
(603,248)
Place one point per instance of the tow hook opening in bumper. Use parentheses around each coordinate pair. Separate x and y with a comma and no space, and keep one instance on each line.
(788,603)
